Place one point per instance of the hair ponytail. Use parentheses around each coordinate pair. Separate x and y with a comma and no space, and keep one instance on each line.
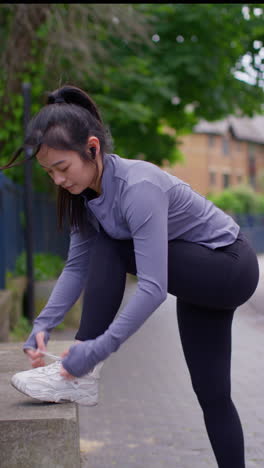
(74,95)
(67,120)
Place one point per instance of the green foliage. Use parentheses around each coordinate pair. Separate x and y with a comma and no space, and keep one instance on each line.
(239,200)
(260,203)
(22,329)
(260,180)
(46,266)
(197,49)
(11,120)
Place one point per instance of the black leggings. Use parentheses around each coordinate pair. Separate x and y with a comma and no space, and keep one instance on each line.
(209,285)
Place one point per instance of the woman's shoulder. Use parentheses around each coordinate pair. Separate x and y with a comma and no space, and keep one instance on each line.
(134,171)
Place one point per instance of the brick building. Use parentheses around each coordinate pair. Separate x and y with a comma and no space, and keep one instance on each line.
(222,154)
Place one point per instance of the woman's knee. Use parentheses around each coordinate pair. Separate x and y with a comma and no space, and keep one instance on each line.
(212,395)
(114,253)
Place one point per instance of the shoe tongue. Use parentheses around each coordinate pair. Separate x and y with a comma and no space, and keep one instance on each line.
(53,366)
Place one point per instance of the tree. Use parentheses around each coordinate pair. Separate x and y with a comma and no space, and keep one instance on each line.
(159,65)
(47,45)
(197,49)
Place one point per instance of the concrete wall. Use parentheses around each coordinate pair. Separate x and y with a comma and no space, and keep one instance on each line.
(34,434)
(5,312)
(11,304)
(43,290)
(17,287)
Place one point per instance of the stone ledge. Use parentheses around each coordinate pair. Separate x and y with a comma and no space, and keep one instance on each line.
(34,434)
(5,311)
(18,287)
(43,290)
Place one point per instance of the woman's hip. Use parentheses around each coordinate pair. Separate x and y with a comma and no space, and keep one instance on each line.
(223,278)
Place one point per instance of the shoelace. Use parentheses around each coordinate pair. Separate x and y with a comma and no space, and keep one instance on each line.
(52,356)
(54,365)
(51,368)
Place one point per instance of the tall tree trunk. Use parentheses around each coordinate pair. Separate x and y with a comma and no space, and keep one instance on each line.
(26,20)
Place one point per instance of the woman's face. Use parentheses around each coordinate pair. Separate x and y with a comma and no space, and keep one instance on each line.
(68,170)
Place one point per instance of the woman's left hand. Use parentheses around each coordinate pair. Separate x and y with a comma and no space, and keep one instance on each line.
(63,371)
(79,358)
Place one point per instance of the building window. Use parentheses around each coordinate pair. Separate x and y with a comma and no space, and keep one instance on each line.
(251,150)
(225,145)
(252,180)
(212,176)
(239,179)
(211,140)
(226,180)
(252,169)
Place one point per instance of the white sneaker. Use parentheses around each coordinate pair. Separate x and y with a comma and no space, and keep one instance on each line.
(46,384)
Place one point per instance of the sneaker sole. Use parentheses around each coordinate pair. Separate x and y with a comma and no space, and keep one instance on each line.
(85,401)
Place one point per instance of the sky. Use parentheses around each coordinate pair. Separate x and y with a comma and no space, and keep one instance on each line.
(250,74)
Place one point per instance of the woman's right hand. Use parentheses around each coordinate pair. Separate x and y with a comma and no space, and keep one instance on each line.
(35,356)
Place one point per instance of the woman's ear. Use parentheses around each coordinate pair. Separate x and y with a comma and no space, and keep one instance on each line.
(93,146)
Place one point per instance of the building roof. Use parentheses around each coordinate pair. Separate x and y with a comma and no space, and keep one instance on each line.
(244,128)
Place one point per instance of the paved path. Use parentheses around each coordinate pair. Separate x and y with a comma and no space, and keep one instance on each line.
(148,416)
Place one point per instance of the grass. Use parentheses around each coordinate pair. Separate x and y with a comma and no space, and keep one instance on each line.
(23,329)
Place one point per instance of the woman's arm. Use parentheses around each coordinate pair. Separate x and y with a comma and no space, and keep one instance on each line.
(145,207)
(68,287)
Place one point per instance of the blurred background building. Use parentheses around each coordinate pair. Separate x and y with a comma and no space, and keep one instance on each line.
(223,154)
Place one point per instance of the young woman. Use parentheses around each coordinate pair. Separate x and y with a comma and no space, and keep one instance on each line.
(129,216)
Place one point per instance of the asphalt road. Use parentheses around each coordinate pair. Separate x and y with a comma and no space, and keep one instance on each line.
(148,415)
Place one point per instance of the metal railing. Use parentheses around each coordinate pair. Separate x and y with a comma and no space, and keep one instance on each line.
(252,226)
(12,218)
(48,239)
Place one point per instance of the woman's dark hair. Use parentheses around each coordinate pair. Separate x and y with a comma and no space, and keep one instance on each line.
(65,123)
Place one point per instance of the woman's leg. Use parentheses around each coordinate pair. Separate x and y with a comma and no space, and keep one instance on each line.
(223,278)
(105,286)
(206,340)
(209,286)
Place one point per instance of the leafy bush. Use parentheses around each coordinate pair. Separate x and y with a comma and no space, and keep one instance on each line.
(22,329)
(239,200)
(260,203)
(227,202)
(46,266)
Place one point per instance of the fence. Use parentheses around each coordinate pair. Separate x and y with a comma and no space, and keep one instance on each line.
(46,236)
(253,228)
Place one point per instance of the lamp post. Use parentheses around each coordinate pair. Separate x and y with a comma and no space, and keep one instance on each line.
(28,203)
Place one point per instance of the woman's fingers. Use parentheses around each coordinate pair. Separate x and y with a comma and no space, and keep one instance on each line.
(66,374)
(35,357)
(30,353)
(38,363)
(34,354)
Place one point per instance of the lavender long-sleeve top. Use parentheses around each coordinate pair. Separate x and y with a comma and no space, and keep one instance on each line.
(142,202)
